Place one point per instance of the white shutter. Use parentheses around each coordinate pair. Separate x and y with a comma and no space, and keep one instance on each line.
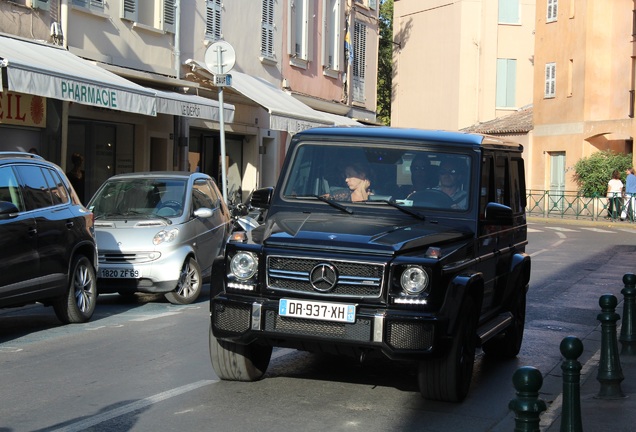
(129,10)
(169,18)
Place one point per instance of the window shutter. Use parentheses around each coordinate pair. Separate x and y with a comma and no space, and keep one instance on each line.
(168,24)
(129,10)
(267,29)
(213,20)
(97,4)
(291,30)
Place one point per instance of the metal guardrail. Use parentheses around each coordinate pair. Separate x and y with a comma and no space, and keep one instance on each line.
(572,205)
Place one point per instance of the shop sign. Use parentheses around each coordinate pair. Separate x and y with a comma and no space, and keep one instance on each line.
(22,109)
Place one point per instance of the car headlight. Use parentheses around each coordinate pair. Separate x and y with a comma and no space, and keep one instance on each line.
(244,265)
(165,236)
(414,280)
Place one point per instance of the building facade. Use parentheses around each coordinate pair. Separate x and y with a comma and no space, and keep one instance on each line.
(151,56)
(460,63)
(584,86)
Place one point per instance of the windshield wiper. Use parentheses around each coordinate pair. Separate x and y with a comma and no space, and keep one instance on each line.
(332,203)
(399,207)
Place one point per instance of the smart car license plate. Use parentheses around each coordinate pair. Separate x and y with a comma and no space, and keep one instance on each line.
(120,273)
(338,312)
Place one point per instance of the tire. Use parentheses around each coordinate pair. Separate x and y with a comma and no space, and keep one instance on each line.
(234,362)
(508,343)
(189,285)
(448,378)
(78,303)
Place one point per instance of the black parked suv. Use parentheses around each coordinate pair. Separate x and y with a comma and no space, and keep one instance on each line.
(48,252)
(408,243)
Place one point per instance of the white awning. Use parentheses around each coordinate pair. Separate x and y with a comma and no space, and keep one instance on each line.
(341,120)
(50,71)
(192,106)
(286,112)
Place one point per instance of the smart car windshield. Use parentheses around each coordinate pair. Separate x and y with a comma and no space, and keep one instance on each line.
(142,198)
(408,177)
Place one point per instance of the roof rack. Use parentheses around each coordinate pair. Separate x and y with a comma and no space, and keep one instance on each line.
(7,154)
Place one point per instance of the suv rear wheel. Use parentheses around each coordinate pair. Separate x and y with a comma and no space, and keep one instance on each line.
(234,362)
(78,304)
(448,378)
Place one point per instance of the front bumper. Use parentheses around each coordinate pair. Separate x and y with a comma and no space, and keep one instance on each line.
(397,334)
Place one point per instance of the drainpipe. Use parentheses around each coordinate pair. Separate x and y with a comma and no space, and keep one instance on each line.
(64,22)
(65,104)
(177,38)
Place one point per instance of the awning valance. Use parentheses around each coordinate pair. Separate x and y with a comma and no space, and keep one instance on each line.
(192,106)
(49,71)
(286,112)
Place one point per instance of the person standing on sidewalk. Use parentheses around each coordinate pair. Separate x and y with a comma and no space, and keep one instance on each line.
(614,195)
(630,195)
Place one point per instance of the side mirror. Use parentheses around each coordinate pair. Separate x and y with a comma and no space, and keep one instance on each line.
(8,210)
(498,214)
(203,212)
(261,198)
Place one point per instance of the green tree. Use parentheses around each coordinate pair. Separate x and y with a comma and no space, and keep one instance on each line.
(385,62)
(593,172)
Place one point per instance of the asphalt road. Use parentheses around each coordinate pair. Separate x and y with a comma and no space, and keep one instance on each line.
(143,365)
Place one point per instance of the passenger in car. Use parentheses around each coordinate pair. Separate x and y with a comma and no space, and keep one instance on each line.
(450,182)
(357,179)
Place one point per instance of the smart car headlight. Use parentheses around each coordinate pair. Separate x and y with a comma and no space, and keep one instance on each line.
(414,280)
(165,236)
(244,265)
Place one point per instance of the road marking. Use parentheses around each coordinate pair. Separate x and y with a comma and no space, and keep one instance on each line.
(540,251)
(532,230)
(10,349)
(149,317)
(599,230)
(562,229)
(123,410)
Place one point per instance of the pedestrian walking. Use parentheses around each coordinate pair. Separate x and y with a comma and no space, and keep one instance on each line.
(630,195)
(614,195)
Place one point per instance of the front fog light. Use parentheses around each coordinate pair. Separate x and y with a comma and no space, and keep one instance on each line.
(244,265)
(414,280)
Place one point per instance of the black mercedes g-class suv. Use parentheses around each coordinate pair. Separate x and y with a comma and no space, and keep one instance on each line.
(409,243)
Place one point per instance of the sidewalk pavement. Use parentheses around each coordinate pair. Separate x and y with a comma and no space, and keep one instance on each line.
(597,415)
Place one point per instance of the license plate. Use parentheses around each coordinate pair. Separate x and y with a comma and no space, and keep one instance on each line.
(338,312)
(120,273)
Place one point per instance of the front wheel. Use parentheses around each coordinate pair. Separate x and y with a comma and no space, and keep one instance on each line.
(234,362)
(189,285)
(78,303)
(448,378)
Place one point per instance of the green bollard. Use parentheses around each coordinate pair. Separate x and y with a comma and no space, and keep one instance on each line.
(628,338)
(571,348)
(527,406)
(610,373)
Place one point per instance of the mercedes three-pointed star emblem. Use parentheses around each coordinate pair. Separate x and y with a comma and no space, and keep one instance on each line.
(323,277)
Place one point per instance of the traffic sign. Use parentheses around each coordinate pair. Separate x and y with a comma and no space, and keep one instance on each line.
(220,58)
(224,80)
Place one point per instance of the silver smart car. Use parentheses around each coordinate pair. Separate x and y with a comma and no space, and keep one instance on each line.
(158,232)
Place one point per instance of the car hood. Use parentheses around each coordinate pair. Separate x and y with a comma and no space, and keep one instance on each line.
(354,232)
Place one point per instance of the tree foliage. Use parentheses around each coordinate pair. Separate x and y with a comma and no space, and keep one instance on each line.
(385,62)
(593,172)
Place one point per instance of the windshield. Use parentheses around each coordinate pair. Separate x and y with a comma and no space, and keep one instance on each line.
(139,197)
(419,178)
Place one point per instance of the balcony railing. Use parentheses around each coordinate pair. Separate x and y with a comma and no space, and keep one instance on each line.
(572,205)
